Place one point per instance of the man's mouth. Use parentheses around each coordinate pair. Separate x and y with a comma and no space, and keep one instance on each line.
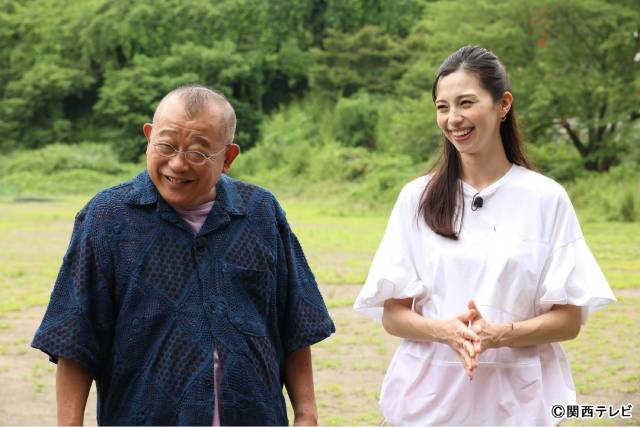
(175,180)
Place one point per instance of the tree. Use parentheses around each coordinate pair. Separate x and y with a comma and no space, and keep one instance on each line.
(368,59)
(91,70)
(588,76)
(573,65)
(395,18)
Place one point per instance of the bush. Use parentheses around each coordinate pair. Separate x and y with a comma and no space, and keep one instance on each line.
(62,169)
(356,120)
(608,196)
(408,126)
(559,161)
(55,158)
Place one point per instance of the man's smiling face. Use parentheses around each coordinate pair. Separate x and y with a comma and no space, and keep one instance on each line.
(180,183)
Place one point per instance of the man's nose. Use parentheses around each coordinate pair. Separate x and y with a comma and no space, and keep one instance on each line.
(178,162)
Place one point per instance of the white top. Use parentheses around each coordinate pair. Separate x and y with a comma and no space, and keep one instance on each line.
(518,255)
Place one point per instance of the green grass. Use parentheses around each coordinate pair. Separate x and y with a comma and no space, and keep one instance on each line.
(340,244)
(34,237)
(616,246)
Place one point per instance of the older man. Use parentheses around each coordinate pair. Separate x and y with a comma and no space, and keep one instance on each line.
(184,293)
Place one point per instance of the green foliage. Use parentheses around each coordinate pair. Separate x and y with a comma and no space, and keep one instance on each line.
(43,69)
(130,95)
(396,18)
(571,63)
(628,211)
(608,196)
(356,119)
(558,160)
(407,126)
(94,70)
(593,95)
(369,59)
(59,169)
(331,96)
(299,154)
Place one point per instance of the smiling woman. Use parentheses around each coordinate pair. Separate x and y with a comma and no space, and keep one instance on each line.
(468,115)
(482,270)
(476,114)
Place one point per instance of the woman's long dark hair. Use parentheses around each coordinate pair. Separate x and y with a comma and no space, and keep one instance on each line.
(442,202)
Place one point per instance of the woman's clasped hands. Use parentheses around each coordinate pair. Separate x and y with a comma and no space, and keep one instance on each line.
(469,334)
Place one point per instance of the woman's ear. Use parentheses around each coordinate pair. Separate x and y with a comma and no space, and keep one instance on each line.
(505,103)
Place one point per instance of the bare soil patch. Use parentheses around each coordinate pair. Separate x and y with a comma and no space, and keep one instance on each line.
(27,378)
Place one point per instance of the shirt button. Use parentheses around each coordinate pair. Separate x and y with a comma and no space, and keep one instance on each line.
(236,319)
(201,245)
(207,382)
(219,307)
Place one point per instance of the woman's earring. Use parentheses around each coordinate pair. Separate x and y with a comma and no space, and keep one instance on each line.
(503,118)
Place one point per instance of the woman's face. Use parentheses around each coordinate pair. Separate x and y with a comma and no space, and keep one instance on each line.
(468,115)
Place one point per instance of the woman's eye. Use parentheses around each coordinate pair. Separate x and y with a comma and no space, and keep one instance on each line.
(466,103)
(441,107)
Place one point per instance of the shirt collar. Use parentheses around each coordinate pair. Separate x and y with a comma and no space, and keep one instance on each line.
(228,197)
(144,192)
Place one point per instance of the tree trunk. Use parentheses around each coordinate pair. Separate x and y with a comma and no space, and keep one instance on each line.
(595,137)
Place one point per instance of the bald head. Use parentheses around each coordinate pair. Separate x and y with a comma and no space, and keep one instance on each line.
(197,100)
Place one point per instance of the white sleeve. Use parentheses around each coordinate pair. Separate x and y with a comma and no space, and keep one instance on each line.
(393,274)
(571,274)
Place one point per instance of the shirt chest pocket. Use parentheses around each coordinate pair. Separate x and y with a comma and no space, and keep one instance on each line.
(249,294)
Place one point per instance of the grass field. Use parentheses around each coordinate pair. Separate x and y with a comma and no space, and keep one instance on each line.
(340,244)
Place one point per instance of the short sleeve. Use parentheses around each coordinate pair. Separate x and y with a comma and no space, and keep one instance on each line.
(78,322)
(304,316)
(571,275)
(392,274)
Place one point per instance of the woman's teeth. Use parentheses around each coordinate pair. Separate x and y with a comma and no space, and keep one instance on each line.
(461,133)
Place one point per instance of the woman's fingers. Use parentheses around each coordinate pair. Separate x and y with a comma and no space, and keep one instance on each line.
(477,346)
(469,348)
(467,351)
(465,341)
(471,335)
(468,364)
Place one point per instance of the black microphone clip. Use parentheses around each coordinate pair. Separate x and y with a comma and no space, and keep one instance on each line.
(476,202)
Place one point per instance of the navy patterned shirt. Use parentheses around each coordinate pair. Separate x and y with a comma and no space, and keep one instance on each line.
(141,303)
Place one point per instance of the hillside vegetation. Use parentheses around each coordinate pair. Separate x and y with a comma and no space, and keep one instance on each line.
(333,97)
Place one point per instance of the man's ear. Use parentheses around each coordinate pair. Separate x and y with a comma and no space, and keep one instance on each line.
(232,152)
(146,128)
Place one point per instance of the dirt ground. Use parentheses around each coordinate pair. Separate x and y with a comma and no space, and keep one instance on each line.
(347,382)
(27,378)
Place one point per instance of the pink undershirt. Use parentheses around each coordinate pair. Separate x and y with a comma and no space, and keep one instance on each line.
(195,218)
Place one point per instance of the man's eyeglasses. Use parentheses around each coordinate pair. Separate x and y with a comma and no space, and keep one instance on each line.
(193,157)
